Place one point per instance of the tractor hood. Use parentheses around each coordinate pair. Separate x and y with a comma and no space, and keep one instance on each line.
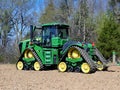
(85,46)
(23,45)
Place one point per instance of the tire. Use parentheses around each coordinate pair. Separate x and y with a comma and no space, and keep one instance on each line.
(100,66)
(62,66)
(85,68)
(20,65)
(37,66)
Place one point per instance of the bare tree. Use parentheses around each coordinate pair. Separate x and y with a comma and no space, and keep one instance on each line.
(15,18)
(22,17)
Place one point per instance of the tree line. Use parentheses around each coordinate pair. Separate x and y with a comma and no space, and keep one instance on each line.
(90,21)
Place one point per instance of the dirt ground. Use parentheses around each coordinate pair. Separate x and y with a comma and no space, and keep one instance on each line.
(12,79)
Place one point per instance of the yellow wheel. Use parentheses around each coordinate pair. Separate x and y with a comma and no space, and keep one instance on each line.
(73,53)
(37,66)
(101,67)
(20,65)
(85,68)
(62,67)
(28,54)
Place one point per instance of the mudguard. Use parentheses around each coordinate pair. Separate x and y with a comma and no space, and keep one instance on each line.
(68,44)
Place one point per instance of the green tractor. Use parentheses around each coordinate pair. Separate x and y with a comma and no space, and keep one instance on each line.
(50,45)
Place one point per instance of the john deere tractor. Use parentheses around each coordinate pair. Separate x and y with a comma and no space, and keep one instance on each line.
(50,45)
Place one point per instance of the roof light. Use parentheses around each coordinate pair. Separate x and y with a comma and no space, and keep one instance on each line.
(93,44)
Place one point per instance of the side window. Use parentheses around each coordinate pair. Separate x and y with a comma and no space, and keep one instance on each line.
(53,31)
(63,33)
(37,34)
(46,35)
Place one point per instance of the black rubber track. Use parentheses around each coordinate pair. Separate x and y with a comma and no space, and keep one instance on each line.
(87,59)
(77,69)
(101,58)
(38,59)
(67,44)
(70,69)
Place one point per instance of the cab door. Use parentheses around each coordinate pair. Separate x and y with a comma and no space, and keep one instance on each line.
(48,33)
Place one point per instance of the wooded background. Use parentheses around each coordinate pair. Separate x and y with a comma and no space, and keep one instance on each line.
(90,21)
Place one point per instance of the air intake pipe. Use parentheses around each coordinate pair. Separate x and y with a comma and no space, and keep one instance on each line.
(31,34)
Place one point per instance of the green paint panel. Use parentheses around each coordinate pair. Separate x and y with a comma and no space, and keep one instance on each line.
(56,42)
(52,24)
(24,45)
(74,60)
(28,60)
(39,52)
(50,56)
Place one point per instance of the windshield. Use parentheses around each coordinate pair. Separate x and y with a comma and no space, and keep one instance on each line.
(49,31)
(55,31)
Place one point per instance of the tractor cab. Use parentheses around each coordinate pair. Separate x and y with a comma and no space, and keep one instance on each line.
(50,35)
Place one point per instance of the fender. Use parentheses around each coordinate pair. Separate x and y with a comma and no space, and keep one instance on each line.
(66,47)
(68,44)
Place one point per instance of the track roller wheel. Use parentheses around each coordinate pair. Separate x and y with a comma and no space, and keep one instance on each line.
(62,66)
(37,66)
(100,64)
(20,65)
(74,52)
(101,61)
(85,68)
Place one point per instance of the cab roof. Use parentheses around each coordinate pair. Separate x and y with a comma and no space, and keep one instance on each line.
(55,24)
